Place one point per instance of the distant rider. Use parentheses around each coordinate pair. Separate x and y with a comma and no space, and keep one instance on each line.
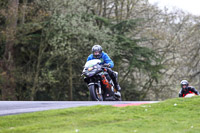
(97,53)
(185,89)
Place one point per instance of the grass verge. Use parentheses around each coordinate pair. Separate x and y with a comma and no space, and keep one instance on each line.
(180,115)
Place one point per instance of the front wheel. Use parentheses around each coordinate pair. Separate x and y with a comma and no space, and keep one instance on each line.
(94,93)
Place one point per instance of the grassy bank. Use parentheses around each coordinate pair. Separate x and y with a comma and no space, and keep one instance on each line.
(172,116)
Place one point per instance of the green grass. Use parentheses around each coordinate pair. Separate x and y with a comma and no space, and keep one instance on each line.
(162,117)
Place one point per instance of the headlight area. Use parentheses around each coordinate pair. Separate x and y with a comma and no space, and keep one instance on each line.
(90,68)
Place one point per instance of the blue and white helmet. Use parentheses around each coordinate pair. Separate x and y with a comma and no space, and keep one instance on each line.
(184,82)
(96,48)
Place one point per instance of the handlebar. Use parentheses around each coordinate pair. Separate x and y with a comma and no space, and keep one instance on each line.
(106,65)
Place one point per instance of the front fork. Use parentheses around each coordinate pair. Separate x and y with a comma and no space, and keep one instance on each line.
(99,84)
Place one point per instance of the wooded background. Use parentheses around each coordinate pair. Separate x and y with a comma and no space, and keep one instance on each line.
(44,45)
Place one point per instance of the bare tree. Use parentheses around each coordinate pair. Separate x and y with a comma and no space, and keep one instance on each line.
(8,89)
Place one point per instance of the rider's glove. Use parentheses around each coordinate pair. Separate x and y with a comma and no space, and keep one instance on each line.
(106,65)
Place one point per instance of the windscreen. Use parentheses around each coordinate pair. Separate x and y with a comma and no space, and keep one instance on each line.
(92,62)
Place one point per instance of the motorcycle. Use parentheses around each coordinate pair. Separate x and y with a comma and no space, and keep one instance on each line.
(190,94)
(100,85)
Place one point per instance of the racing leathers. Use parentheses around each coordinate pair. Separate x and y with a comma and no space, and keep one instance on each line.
(190,89)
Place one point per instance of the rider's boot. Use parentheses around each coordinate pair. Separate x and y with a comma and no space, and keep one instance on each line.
(117,86)
(114,77)
(115,81)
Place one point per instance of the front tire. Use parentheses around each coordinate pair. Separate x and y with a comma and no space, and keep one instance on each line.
(94,95)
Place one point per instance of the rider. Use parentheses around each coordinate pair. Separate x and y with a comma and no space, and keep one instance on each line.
(185,89)
(97,53)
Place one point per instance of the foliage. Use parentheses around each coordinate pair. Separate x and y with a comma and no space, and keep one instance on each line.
(54,38)
(131,58)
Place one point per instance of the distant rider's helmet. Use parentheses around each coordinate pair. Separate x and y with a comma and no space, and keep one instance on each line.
(184,82)
(97,51)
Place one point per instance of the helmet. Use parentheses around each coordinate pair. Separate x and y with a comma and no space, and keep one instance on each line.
(184,82)
(97,51)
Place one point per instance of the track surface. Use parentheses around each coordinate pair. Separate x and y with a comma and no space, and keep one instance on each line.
(18,107)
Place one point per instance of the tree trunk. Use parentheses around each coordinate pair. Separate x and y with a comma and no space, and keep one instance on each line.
(35,87)
(70,93)
(24,11)
(70,70)
(8,89)
(116,10)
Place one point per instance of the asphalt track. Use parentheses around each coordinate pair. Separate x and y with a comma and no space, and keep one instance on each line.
(18,107)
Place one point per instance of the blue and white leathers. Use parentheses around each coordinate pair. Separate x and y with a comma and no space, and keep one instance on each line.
(105,59)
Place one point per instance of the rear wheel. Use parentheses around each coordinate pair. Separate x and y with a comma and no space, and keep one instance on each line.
(94,93)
